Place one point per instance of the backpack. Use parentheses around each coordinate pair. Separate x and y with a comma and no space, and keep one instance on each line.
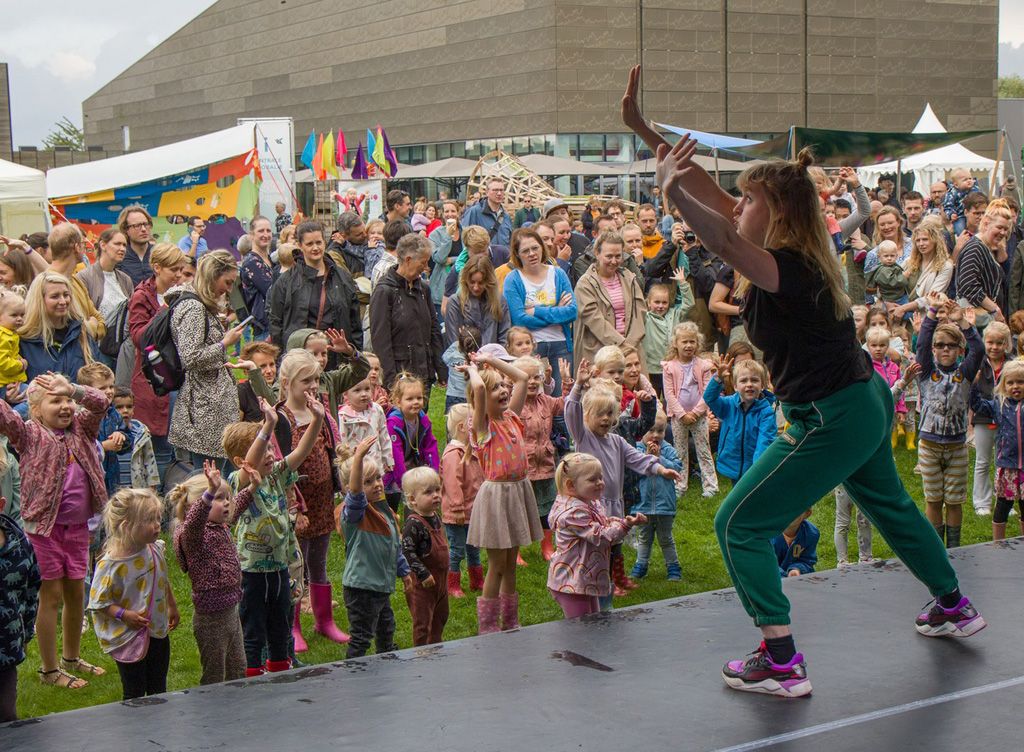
(117,331)
(169,375)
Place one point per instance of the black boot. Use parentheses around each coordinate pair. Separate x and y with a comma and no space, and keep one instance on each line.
(941,530)
(953,536)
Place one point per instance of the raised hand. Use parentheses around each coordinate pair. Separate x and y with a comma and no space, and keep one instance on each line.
(632,118)
(364,446)
(674,162)
(849,176)
(315,406)
(953,311)
(583,373)
(49,383)
(268,411)
(255,477)
(911,373)
(338,342)
(565,370)
(679,275)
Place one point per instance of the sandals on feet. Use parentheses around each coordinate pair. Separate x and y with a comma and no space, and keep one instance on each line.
(58,677)
(81,666)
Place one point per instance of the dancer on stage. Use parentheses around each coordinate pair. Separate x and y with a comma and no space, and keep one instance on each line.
(839,411)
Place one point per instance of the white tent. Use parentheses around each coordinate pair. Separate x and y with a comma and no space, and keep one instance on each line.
(931,166)
(151,164)
(22,200)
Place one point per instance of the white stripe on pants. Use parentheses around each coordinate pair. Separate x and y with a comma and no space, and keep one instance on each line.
(701,442)
(984,448)
(844,513)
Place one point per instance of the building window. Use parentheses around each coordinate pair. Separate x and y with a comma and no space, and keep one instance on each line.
(521,146)
(591,147)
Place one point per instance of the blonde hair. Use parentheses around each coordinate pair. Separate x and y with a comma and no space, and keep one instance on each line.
(122,514)
(457,416)
(997,207)
(35,393)
(492,297)
(877,334)
(37,323)
(751,366)
(418,479)
(683,327)
(932,231)
(295,364)
(571,467)
(887,246)
(345,456)
(528,361)
(93,373)
(375,225)
(403,380)
(286,250)
(186,493)
(1013,368)
(167,256)
(63,240)
(476,238)
(598,400)
(796,220)
(1002,331)
(609,356)
(212,265)
(491,379)
(876,236)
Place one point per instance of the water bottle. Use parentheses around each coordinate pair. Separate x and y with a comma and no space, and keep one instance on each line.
(157,364)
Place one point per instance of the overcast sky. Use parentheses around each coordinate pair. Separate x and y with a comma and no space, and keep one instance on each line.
(62,51)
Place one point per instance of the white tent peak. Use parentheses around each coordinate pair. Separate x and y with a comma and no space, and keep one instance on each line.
(928,122)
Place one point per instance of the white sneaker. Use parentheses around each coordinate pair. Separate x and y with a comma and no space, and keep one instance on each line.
(983,512)
(917,469)
(709,494)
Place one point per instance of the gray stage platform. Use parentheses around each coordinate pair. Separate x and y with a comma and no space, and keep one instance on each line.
(644,678)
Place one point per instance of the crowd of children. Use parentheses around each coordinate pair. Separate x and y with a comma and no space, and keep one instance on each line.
(320,452)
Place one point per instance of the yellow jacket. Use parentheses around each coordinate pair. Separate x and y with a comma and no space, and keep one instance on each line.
(11,368)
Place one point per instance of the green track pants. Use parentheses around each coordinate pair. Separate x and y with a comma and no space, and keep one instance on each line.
(844,438)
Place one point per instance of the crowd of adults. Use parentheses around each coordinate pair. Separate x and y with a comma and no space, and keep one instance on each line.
(577,283)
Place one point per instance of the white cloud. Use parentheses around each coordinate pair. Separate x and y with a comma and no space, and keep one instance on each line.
(71,66)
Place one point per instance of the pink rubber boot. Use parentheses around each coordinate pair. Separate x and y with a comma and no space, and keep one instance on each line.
(320,597)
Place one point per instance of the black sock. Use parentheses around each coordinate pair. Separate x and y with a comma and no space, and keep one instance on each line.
(782,649)
(950,600)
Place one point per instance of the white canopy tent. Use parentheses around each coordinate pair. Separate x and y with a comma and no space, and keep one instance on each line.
(22,200)
(151,164)
(931,166)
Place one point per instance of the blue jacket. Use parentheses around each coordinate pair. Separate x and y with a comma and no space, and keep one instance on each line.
(657,494)
(744,434)
(65,360)
(498,226)
(113,422)
(802,555)
(515,296)
(1009,427)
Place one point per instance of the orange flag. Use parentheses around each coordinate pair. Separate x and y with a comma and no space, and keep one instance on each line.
(318,160)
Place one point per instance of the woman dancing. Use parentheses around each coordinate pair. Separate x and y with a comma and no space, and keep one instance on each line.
(839,411)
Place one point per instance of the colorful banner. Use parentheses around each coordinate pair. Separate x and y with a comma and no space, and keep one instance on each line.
(224,194)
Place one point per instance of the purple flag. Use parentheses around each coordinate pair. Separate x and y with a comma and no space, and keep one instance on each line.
(359,165)
(389,155)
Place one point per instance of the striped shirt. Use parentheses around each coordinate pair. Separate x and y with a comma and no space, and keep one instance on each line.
(978,275)
(613,287)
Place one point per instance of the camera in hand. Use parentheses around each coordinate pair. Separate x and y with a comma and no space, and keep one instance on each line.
(690,237)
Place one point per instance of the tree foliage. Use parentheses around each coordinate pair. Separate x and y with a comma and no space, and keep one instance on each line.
(64,133)
(1011,87)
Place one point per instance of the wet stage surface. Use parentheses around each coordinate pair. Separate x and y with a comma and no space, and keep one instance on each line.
(642,678)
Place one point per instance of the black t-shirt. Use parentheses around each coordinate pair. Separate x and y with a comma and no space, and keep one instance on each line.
(809,353)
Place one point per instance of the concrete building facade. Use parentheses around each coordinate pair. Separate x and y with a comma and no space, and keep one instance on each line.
(455,78)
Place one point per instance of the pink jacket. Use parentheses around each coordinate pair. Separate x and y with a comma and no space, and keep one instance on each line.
(673,376)
(583,544)
(537,416)
(44,460)
(459,482)
(890,371)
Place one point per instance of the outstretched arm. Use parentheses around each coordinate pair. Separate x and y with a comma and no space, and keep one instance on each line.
(714,228)
(697,181)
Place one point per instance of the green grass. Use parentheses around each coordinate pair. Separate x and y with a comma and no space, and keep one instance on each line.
(698,552)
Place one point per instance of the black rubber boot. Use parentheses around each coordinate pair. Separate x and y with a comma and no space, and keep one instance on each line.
(953,536)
